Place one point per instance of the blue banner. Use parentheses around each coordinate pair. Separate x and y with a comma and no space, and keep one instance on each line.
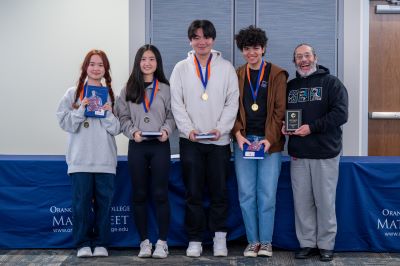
(35,205)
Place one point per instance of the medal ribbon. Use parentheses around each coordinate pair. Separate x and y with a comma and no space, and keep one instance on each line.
(83,92)
(146,102)
(259,78)
(205,79)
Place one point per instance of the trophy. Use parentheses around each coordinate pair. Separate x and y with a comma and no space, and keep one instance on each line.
(292,119)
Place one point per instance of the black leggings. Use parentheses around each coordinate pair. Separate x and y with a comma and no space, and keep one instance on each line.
(149,163)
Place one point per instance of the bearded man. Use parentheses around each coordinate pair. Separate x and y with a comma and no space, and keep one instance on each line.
(315,149)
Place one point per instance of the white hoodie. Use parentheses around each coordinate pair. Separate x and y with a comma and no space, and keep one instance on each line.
(191,112)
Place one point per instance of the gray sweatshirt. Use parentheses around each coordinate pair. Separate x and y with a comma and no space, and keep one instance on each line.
(133,117)
(89,149)
(193,113)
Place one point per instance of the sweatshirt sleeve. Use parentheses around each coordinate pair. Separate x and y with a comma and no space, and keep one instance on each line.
(182,119)
(229,113)
(111,124)
(278,113)
(338,109)
(238,125)
(126,118)
(169,124)
(69,118)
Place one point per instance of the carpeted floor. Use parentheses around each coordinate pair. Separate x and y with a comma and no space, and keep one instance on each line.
(177,257)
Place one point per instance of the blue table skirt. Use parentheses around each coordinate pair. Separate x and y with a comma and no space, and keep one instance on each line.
(35,205)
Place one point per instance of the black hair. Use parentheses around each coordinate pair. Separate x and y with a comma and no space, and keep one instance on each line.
(251,36)
(135,86)
(207,27)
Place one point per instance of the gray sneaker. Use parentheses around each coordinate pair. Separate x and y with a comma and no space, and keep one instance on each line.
(265,250)
(252,250)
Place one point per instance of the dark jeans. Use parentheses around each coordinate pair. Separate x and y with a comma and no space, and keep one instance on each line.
(85,188)
(204,165)
(149,163)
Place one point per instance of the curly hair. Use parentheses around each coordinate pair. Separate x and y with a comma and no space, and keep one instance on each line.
(251,36)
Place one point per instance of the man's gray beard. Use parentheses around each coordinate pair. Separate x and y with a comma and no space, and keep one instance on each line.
(304,74)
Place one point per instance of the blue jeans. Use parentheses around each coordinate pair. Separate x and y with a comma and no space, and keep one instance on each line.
(85,188)
(257,183)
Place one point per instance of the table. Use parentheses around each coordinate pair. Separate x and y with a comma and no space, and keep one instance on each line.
(35,205)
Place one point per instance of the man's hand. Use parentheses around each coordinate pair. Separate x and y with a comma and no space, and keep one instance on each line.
(192,135)
(216,133)
(283,129)
(303,131)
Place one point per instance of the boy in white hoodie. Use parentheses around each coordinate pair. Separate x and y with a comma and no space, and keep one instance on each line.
(204,100)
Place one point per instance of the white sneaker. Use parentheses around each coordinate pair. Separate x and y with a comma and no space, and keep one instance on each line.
(100,252)
(220,249)
(161,250)
(145,249)
(194,249)
(84,252)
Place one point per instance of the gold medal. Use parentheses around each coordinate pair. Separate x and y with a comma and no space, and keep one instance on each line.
(204,96)
(86,124)
(254,107)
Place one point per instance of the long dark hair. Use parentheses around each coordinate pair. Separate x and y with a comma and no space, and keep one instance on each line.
(82,78)
(135,85)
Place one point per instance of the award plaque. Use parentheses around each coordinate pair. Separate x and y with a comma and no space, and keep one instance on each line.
(204,136)
(293,119)
(151,134)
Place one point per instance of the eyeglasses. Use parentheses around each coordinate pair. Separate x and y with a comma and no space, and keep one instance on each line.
(300,56)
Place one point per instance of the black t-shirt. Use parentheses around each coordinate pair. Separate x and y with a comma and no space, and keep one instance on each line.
(255,120)
(146,84)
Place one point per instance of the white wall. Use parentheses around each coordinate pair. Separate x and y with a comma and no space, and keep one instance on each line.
(42,45)
(355,75)
(43,42)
